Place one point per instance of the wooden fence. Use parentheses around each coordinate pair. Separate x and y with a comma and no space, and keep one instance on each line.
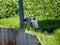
(10,36)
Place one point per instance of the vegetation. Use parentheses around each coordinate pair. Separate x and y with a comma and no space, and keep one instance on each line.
(44,38)
(49,25)
(39,8)
(8,8)
(57,36)
(45,25)
(42,8)
(46,11)
(12,22)
(47,39)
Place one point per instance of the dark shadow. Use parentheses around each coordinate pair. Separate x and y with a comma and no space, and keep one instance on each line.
(49,25)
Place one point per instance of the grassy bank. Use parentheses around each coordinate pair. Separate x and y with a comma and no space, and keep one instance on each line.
(47,39)
(45,24)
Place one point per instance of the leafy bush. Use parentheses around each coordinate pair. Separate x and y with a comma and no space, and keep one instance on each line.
(8,8)
(49,25)
(40,8)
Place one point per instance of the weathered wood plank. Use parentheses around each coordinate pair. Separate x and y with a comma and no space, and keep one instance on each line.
(4,36)
(10,37)
(21,39)
(31,40)
(0,37)
(25,39)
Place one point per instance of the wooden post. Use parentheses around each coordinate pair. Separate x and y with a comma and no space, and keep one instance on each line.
(21,13)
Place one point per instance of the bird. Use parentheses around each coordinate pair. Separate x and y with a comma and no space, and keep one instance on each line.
(35,23)
(28,19)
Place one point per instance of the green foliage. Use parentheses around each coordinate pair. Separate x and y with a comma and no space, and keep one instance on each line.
(49,25)
(42,8)
(8,8)
(39,8)
(57,36)
(44,39)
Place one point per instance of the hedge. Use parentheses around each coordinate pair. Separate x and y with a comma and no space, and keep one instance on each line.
(39,8)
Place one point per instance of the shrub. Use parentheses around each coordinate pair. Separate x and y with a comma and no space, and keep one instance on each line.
(8,8)
(40,8)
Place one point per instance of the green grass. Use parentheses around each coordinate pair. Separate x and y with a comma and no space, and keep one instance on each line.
(57,36)
(46,39)
(12,22)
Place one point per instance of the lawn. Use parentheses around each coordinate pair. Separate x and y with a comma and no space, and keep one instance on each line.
(12,22)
